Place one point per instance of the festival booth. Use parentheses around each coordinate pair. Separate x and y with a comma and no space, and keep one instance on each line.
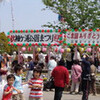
(34,39)
(84,40)
(62,41)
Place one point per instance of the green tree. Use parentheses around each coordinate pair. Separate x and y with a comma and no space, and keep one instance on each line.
(4,44)
(76,13)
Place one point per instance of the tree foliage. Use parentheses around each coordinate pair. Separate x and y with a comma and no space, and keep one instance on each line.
(76,13)
(4,44)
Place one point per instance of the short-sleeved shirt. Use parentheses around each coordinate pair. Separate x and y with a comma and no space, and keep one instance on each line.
(36,92)
(52,64)
(18,84)
(6,89)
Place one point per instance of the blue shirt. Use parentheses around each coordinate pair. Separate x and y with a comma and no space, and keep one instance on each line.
(31,65)
(18,84)
(1,58)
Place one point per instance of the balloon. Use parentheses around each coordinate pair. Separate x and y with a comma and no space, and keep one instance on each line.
(61,50)
(29,49)
(56,49)
(38,49)
(44,49)
(81,49)
(98,49)
(23,48)
(68,49)
(88,49)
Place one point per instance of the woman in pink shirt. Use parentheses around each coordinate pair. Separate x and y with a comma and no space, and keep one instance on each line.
(75,75)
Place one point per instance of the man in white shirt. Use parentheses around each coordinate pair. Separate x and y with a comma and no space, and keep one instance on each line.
(51,65)
(41,57)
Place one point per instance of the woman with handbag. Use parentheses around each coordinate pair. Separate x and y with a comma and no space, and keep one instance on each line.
(76,76)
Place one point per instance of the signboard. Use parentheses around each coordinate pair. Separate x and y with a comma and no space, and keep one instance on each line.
(34,37)
(83,37)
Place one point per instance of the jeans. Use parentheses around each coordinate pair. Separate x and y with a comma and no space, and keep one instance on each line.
(29,75)
(85,89)
(58,93)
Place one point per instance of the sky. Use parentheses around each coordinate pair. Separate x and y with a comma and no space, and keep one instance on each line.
(28,14)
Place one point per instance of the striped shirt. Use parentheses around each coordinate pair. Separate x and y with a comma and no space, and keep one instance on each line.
(36,92)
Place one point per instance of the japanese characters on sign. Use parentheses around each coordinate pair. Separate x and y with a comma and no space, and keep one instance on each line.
(34,38)
(83,37)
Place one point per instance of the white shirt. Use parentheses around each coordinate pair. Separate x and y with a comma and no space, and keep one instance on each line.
(52,64)
(58,56)
(41,58)
(77,56)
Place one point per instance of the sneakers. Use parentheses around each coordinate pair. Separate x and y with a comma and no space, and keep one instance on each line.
(74,93)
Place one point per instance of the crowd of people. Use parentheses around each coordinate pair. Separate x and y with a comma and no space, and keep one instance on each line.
(81,79)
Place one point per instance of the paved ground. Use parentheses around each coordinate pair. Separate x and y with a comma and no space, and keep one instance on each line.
(66,96)
(50,95)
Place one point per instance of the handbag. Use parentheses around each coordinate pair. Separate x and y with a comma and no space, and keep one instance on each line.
(93,77)
(49,84)
(79,79)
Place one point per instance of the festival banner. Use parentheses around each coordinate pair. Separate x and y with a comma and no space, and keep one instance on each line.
(83,37)
(34,37)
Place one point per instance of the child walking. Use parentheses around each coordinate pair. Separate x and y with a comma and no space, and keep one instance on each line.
(18,83)
(36,85)
(8,89)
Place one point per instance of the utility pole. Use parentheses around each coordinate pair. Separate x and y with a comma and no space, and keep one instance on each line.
(12,15)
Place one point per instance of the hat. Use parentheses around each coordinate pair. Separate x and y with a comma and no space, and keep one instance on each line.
(14,52)
(85,54)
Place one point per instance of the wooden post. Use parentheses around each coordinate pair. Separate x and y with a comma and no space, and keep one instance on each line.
(49,53)
(93,53)
(34,53)
(75,54)
(18,54)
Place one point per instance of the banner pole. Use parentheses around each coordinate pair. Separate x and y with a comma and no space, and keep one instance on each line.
(34,53)
(18,54)
(49,53)
(93,53)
